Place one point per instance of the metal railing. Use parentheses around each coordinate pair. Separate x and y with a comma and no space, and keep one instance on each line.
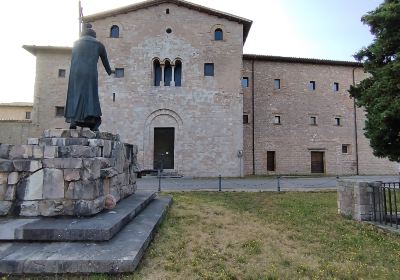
(386,203)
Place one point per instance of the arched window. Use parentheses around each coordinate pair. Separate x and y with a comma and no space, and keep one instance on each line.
(114,31)
(167,74)
(157,72)
(218,34)
(178,73)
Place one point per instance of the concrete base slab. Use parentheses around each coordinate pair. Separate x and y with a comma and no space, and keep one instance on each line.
(120,254)
(100,227)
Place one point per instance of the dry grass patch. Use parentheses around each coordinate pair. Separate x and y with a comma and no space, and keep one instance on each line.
(266,236)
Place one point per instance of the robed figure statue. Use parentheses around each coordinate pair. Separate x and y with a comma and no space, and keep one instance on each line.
(83,106)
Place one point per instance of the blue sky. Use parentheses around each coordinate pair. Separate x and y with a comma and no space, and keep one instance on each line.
(327,29)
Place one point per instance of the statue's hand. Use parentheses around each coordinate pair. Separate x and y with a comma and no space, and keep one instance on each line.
(112,71)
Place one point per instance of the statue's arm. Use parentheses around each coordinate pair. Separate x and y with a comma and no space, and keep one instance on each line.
(104,60)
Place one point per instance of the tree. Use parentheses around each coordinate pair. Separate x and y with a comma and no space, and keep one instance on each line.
(379,94)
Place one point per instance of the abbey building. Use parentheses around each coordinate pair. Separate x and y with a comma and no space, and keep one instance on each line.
(185,93)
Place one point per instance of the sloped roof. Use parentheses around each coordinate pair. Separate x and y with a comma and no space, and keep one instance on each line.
(149,3)
(301,60)
(33,49)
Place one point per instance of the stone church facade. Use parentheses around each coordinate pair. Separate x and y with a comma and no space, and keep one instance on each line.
(187,96)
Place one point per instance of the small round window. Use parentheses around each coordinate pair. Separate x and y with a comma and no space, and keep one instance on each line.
(169,30)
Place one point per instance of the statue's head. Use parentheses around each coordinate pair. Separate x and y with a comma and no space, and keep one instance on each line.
(88,31)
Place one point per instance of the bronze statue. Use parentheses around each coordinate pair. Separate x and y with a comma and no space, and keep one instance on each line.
(83,106)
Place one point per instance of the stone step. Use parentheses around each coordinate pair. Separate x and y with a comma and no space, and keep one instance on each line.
(100,227)
(120,254)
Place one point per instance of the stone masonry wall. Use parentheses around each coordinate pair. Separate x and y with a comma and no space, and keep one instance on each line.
(295,138)
(206,112)
(66,172)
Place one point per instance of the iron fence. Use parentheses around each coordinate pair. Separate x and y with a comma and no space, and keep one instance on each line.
(386,202)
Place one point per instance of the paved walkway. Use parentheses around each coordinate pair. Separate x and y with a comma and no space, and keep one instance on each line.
(286,183)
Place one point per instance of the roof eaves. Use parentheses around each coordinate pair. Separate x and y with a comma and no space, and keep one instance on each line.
(301,60)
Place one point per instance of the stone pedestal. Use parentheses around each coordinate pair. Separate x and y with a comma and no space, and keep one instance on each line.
(355,199)
(65,172)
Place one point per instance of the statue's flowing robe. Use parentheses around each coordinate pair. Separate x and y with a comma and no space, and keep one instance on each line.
(83,95)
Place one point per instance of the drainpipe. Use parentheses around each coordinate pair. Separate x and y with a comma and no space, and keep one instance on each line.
(355,124)
(252,115)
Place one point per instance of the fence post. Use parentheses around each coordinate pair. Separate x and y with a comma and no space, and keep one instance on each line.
(159,180)
(278,183)
(219,183)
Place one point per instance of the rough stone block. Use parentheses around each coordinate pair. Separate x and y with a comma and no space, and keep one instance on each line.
(64,163)
(68,207)
(13,178)
(6,165)
(50,152)
(45,142)
(72,175)
(104,162)
(5,151)
(77,151)
(108,172)
(21,152)
(33,141)
(96,142)
(115,192)
(51,207)
(74,133)
(29,209)
(3,178)
(127,190)
(105,185)
(107,148)
(107,136)
(57,133)
(37,152)
(31,188)
(27,165)
(10,192)
(58,142)
(76,141)
(89,207)
(83,189)
(87,133)
(53,184)
(5,207)
(91,169)
(3,190)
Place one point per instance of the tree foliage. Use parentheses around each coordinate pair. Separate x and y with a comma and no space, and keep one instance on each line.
(379,94)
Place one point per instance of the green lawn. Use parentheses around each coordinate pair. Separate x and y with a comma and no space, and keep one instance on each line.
(292,235)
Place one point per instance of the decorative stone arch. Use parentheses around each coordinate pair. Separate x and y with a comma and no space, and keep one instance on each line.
(178,71)
(156,74)
(216,27)
(120,27)
(162,118)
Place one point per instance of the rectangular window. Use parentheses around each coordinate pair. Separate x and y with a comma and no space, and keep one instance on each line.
(119,72)
(270,160)
(338,121)
(312,85)
(345,149)
(28,115)
(335,86)
(61,73)
(208,69)
(245,119)
(277,119)
(313,120)
(245,82)
(59,111)
(277,84)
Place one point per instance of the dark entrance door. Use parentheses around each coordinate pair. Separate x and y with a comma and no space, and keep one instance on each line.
(164,142)
(317,162)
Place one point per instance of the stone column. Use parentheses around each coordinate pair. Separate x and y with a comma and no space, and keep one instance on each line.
(162,75)
(355,199)
(172,84)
